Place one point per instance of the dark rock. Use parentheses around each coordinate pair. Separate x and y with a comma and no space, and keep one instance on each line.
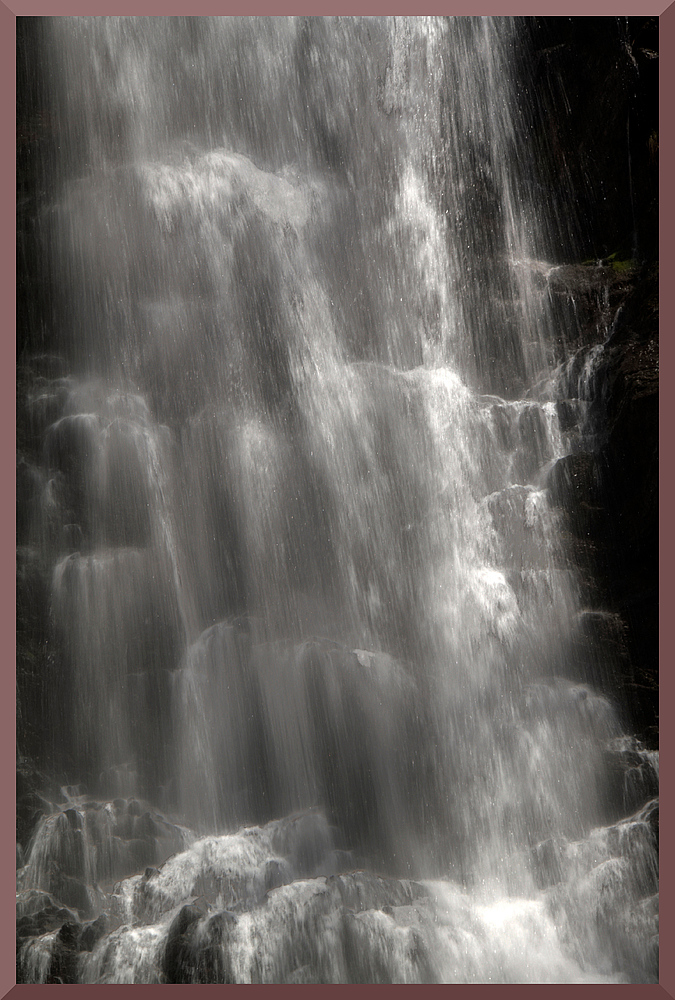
(274,875)
(141,853)
(74,893)
(27,927)
(599,651)
(72,442)
(568,414)
(63,963)
(533,435)
(179,950)
(362,890)
(124,826)
(546,863)
(626,565)
(596,66)
(212,959)
(602,629)
(146,827)
(63,968)
(36,901)
(573,481)
(93,932)
(74,819)
(69,934)
(304,840)
(69,850)
(187,915)
(202,904)
(504,428)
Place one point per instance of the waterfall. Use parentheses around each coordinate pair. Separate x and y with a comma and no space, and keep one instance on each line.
(314,691)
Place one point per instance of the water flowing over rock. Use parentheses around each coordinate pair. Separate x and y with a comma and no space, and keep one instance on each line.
(327,668)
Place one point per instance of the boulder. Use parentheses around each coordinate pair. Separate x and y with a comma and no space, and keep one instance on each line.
(63,967)
(92,932)
(178,957)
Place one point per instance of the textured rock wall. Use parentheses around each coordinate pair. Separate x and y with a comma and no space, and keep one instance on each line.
(596,120)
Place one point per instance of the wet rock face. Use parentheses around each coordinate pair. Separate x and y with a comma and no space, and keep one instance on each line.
(355,926)
(597,79)
(611,494)
(628,896)
(87,842)
(573,486)
(203,946)
(606,488)
(630,481)
(67,939)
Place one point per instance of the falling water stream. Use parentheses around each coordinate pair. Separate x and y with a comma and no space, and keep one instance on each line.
(316,679)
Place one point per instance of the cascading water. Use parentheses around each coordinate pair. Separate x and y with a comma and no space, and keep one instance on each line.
(308,614)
